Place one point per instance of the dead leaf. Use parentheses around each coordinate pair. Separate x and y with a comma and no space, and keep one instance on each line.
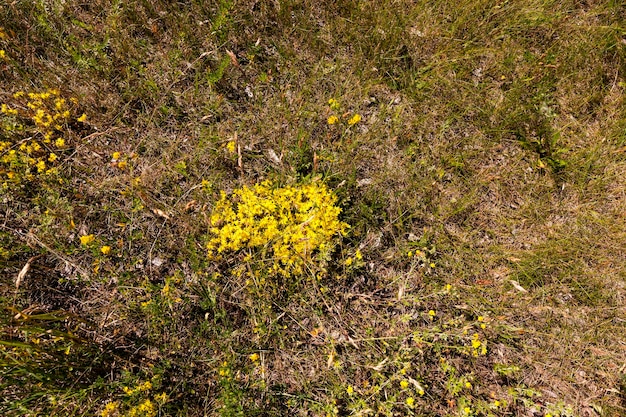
(517,286)
(22,274)
(190,205)
(271,153)
(161,213)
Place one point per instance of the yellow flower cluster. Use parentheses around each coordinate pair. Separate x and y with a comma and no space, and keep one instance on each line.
(146,386)
(32,127)
(48,110)
(109,409)
(145,409)
(293,223)
(334,119)
(478,347)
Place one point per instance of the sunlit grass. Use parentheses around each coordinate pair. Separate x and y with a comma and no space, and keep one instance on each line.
(291,208)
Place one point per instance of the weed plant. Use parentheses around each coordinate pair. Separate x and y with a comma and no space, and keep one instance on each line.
(392,208)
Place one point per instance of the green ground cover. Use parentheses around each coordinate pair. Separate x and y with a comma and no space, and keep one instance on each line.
(350,208)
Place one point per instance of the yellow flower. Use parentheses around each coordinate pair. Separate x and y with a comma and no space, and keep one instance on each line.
(161,398)
(231,146)
(333,119)
(432,313)
(82,118)
(105,250)
(116,156)
(295,223)
(334,104)
(59,143)
(2,54)
(254,357)
(468,385)
(52,157)
(41,166)
(404,384)
(87,239)
(410,401)
(109,409)
(350,390)
(354,119)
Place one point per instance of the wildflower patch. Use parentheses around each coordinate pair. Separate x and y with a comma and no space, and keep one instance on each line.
(32,130)
(287,226)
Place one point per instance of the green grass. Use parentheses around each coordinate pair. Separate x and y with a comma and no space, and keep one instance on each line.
(491,147)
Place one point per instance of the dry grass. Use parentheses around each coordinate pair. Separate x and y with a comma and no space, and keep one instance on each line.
(491,147)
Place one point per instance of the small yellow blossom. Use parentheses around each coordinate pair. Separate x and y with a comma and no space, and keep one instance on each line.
(404,384)
(348,261)
(115,156)
(350,390)
(59,143)
(87,239)
(334,104)
(410,401)
(468,385)
(496,403)
(254,357)
(231,146)
(2,54)
(41,166)
(105,250)
(354,119)
(161,398)
(82,118)
(122,164)
(432,313)
(52,157)
(109,409)
(332,120)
